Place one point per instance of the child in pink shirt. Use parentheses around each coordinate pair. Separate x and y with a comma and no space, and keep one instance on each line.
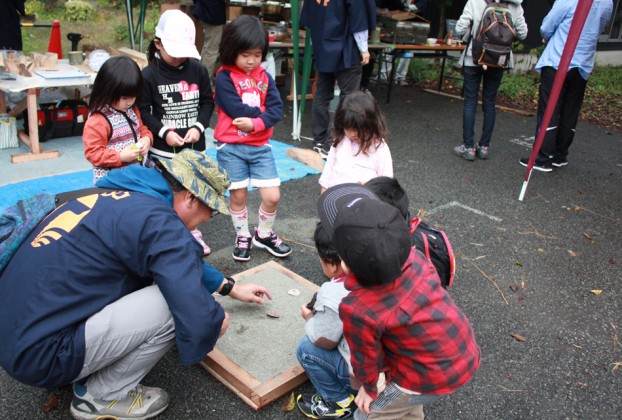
(359,151)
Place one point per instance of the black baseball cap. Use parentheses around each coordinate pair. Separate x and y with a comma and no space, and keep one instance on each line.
(369,235)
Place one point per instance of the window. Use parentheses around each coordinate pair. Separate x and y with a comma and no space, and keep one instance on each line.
(613,32)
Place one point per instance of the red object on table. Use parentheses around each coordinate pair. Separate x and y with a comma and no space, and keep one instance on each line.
(55,46)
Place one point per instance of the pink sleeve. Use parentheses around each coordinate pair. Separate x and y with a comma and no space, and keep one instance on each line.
(327,173)
(258,125)
(384,164)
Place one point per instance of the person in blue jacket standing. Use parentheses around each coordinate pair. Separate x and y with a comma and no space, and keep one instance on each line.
(554,30)
(118,280)
(339,32)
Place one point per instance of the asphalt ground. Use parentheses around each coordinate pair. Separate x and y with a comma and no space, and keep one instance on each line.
(539,280)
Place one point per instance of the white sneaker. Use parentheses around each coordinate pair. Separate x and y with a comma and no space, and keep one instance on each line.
(142,402)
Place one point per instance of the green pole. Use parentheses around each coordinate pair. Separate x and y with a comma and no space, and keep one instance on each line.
(306,72)
(130,22)
(294,79)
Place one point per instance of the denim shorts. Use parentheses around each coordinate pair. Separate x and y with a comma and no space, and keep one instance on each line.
(248,165)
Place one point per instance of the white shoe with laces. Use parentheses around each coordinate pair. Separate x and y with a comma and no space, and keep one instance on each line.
(142,402)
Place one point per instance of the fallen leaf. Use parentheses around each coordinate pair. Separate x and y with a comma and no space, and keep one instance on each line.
(596,292)
(540,249)
(612,261)
(518,263)
(289,404)
(572,253)
(513,287)
(587,236)
(51,403)
(522,284)
(517,337)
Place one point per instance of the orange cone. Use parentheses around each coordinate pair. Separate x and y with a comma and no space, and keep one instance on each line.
(55,45)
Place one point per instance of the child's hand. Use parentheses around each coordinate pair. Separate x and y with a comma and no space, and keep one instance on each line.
(144,143)
(192,136)
(305,312)
(363,401)
(244,124)
(173,139)
(129,154)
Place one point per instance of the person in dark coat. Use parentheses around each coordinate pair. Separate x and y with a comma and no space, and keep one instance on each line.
(213,16)
(10,29)
(339,31)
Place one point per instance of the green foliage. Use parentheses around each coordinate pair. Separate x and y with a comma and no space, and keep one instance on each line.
(78,11)
(537,51)
(518,47)
(605,85)
(121,32)
(34,7)
(515,85)
(422,69)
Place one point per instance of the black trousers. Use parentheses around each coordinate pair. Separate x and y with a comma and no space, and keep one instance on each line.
(560,134)
(349,80)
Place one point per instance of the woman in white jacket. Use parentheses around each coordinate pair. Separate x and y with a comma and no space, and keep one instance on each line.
(467,27)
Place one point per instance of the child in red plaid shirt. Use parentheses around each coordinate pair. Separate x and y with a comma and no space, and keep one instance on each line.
(409,342)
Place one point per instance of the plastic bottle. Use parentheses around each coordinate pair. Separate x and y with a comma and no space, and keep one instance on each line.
(450,39)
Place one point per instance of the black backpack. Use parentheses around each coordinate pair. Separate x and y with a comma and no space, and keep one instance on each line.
(434,244)
(492,44)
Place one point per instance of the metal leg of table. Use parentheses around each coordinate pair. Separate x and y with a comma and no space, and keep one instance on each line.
(392,75)
(440,79)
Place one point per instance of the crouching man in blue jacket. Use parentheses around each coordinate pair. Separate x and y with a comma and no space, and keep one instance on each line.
(108,282)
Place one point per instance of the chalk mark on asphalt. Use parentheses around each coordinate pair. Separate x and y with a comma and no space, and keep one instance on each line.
(524,141)
(471,209)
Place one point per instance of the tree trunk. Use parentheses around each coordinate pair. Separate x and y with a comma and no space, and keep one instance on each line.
(50,4)
(441,26)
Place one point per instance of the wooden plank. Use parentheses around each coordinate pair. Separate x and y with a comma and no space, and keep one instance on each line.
(29,157)
(275,388)
(224,379)
(251,390)
(139,57)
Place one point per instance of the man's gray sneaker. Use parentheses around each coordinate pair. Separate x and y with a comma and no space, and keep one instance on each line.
(142,402)
(467,153)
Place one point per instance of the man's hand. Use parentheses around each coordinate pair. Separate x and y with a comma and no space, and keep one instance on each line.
(363,401)
(364,58)
(249,293)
